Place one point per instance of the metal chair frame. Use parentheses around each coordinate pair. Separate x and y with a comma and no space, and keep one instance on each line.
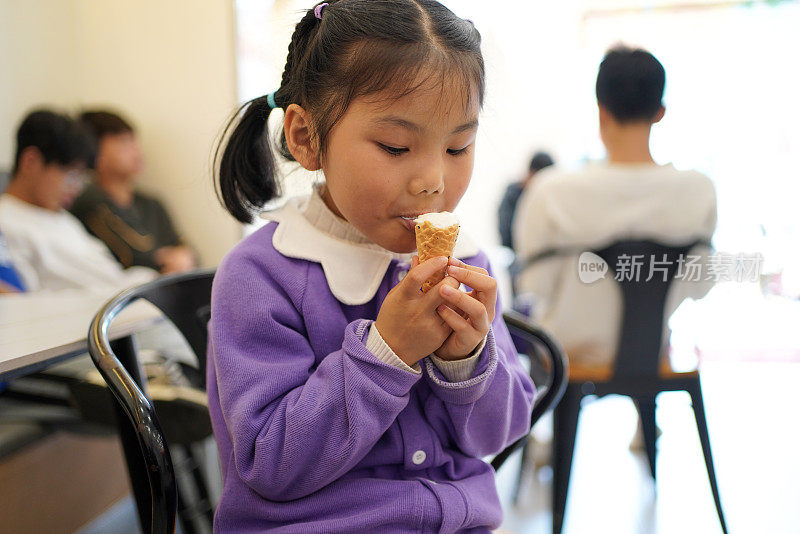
(636,369)
(527,336)
(146,450)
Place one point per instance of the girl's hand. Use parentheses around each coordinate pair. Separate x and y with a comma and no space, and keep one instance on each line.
(469,314)
(407,320)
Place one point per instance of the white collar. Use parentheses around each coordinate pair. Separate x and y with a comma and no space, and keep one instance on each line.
(354,270)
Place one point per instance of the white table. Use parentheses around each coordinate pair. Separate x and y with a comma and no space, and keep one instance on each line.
(38,330)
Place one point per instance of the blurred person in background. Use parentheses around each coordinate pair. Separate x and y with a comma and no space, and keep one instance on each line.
(134,226)
(52,250)
(508,206)
(48,247)
(628,196)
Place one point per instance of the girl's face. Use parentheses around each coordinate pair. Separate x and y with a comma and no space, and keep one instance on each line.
(390,160)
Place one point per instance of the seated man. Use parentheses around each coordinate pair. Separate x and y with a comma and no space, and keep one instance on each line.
(626,197)
(135,227)
(508,206)
(49,248)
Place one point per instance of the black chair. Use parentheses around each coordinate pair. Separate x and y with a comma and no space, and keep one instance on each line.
(529,340)
(146,446)
(637,371)
(185,300)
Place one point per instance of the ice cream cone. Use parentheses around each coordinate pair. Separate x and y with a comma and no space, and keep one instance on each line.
(435,241)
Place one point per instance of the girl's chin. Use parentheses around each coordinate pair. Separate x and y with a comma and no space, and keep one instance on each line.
(401,249)
(401,245)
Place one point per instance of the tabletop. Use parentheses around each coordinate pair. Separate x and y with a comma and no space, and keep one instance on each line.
(40,329)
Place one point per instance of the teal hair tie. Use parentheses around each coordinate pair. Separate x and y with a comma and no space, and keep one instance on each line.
(271,100)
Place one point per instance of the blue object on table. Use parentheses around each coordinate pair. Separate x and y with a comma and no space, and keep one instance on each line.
(7,273)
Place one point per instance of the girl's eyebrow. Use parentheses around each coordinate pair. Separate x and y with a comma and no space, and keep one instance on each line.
(471,125)
(393,120)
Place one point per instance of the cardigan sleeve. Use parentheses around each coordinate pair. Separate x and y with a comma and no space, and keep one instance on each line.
(492,408)
(296,425)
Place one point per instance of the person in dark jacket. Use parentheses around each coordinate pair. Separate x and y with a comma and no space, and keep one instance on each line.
(508,206)
(134,226)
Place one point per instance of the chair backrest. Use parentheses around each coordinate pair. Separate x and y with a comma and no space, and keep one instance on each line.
(184,298)
(529,339)
(644,271)
(186,301)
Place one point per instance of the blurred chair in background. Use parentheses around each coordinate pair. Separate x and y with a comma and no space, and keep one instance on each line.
(638,371)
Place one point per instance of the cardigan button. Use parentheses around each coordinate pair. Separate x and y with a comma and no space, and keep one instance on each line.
(419,457)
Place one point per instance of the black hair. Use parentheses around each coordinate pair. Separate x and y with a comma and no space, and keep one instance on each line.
(539,161)
(59,138)
(102,123)
(357,48)
(630,84)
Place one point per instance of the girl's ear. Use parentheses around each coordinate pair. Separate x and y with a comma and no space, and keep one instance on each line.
(298,130)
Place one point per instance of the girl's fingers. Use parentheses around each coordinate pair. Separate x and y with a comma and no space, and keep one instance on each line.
(462,328)
(474,277)
(414,261)
(484,286)
(421,272)
(458,263)
(472,307)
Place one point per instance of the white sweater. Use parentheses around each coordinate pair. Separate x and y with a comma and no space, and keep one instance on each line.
(588,210)
(52,251)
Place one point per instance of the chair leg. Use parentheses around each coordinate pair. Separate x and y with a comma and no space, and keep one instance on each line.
(565,426)
(702,430)
(184,515)
(125,349)
(524,468)
(195,508)
(204,505)
(647,414)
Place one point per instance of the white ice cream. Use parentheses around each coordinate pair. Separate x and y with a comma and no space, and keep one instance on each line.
(442,219)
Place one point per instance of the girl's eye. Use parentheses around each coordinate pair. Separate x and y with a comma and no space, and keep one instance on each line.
(458,151)
(393,150)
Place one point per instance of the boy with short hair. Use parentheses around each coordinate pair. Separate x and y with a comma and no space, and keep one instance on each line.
(134,226)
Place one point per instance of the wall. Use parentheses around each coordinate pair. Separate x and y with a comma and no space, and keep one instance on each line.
(38,62)
(168,66)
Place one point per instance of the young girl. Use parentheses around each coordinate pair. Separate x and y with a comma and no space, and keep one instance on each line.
(343,398)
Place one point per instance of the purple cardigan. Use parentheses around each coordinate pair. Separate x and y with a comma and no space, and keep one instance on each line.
(316,434)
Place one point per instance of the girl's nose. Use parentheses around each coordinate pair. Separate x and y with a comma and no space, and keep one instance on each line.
(429,178)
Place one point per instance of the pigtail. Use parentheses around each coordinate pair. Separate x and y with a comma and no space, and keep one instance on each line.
(246,173)
(246,170)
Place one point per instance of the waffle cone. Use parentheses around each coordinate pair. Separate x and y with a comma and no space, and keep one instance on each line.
(433,241)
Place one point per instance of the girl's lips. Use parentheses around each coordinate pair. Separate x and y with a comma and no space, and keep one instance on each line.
(408,222)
